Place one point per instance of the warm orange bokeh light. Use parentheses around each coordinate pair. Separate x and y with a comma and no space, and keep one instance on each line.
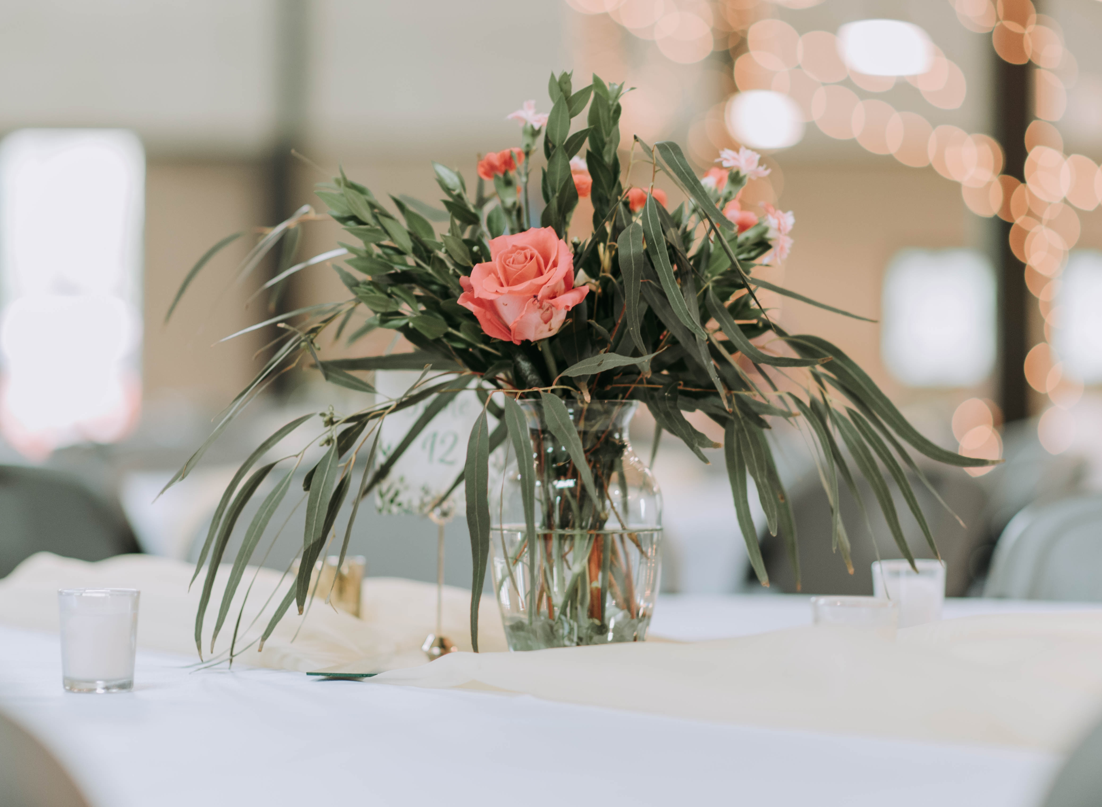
(908,135)
(818,52)
(832,107)
(1038,363)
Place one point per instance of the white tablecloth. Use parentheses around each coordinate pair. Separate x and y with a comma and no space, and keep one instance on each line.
(265,737)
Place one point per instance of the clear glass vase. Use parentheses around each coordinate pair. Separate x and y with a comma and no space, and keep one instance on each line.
(592,573)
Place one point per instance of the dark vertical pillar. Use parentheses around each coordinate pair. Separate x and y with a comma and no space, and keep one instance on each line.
(1013,114)
(290,69)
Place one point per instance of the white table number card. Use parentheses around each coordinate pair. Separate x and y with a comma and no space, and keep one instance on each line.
(430,465)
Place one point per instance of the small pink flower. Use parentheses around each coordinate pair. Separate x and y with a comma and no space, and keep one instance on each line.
(715,178)
(742,219)
(527,114)
(781,247)
(780,222)
(744,161)
(578,164)
(524,291)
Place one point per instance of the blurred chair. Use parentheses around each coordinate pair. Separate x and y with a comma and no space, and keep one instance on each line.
(1050,552)
(42,510)
(1079,782)
(822,569)
(29,775)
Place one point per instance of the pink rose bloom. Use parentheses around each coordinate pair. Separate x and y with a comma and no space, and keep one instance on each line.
(715,178)
(524,291)
(637,198)
(744,161)
(742,219)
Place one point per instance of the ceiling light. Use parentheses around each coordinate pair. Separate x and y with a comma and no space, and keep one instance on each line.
(763,119)
(885,48)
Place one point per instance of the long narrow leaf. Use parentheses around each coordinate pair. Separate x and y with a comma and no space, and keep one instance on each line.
(856,381)
(733,332)
(317,507)
(298,267)
(562,427)
(522,448)
(477,469)
(674,160)
(417,360)
(210,253)
(252,537)
(606,361)
(656,246)
(219,548)
(246,466)
(736,473)
(630,250)
(867,465)
(901,481)
(789,293)
(360,496)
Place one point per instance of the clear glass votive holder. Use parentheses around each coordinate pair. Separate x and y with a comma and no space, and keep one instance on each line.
(342,586)
(99,638)
(919,596)
(872,613)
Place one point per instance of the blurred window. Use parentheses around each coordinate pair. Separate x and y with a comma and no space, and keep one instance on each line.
(938,318)
(1078,340)
(71,213)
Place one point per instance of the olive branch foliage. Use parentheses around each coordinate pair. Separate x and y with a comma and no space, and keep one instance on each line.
(670,321)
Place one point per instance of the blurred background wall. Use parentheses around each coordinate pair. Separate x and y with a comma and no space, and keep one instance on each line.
(876,169)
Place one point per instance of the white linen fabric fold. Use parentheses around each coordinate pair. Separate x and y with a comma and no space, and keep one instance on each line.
(398,614)
(1031,681)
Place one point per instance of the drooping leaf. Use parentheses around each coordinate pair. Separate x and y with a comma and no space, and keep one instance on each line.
(190,276)
(368,464)
(656,247)
(252,537)
(901,481)
(733,332)
(629,249)
(562,427)
(477,470)
(246,466)
(867,465)
(736,473)
(674,159)
(219,548)
(317,506)
(606,361)
(856,381)
(298,267)
(522,448)
(418,360)
(789,293)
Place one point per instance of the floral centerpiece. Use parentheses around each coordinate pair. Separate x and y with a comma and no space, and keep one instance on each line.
(561,339)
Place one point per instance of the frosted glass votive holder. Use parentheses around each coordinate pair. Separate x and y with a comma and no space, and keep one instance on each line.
(919,596)
(872,613)
(99,638)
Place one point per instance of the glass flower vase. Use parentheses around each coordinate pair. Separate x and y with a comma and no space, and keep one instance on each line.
(591,573)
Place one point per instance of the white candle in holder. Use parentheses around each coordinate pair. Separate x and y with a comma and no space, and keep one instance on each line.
(99,633)
(919,595)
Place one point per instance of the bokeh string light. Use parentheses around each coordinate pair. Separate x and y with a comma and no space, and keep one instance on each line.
(772,57)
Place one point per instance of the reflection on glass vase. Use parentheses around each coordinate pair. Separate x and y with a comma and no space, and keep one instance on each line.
(592,572)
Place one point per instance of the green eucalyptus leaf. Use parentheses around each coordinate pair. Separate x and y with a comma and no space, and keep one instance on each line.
(606,361)
(562,427)
(210,253)
(477,472)
(317,505)
(629,249)
(736,473)
(656,247)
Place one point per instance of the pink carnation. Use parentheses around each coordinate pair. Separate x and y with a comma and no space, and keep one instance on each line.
(744,161)
(527,115)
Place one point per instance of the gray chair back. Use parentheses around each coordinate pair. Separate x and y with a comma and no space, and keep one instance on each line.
(1051,552)
(45,510)
(29,775)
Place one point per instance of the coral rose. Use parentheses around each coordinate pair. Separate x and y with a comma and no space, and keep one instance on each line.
(524,291)
(743,219)
(499,162)
(637,197)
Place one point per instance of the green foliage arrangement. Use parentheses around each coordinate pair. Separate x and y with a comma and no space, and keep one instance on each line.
(656,305)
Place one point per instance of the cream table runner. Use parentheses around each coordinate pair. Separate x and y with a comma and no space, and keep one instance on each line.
(1022,680)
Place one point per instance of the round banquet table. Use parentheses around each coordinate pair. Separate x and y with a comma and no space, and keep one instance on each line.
(264,737)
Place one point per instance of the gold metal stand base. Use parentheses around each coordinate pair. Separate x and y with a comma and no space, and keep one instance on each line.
(437,646)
